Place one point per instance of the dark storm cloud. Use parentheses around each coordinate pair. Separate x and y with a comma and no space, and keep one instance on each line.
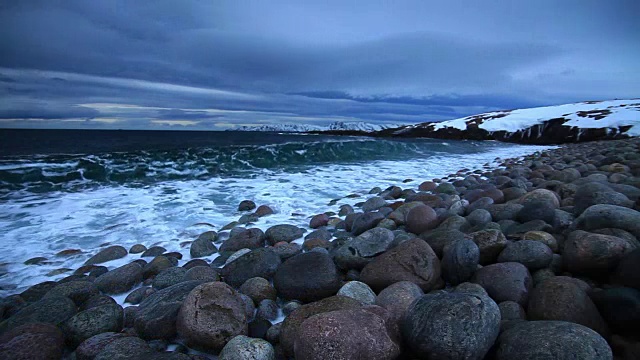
(240,62)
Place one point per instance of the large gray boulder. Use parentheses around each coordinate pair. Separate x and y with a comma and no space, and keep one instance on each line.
(94,321)
(50,310)
(307,277)
(452,325)
(211,315)
(121,279)
(243,347)
(351,334)
(460,261)
(107,254)
(157,314)
(609,216)
(261,262)
(536,340)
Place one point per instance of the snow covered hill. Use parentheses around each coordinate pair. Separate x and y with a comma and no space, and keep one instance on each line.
(335,126)
(585,121)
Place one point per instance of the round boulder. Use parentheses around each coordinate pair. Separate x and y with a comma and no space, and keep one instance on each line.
(490,243)
(505,282)
(359,291)
(560,298)
(345,334)
(248,239)
(535,340)
(413,260)
(420,219)
(532,254)
(211,315)
(258,289)
(261,262)
(307,277)
(94,321)
(459,262)
(455,325)
(397,298)
(589,253)
(120,280)
(202,247)
(107,254)
(243,347)
(284,232)
(37,341)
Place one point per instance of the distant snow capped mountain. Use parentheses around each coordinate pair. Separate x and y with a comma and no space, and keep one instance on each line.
(585,121)
(335,126)
(279,128)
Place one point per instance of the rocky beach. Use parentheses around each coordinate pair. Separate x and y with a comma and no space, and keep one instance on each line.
(536,258)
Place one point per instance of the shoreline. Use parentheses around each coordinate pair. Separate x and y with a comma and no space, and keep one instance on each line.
(502,236)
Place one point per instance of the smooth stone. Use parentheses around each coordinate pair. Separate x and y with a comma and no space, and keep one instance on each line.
(562,299)
(490,243)
(261,262)
(126,348)
(505,282)
(319,221)
(620,308)
(588,253)
(202,273)
(258,289)
(169,277)
(211,315)
(120,280)
(252,238)
(460,261)
(78,291)
(366,221)
(438,239)
(94,321)
(456,325)
(413,260)
(154,251)
(136,296)
(532,254)
(307,277)
(91,347)
(243,348)
(338,328)
(283,232)
(609,216)
(268,310)
(201,248)
(627,273)
(156,266)
(397,298)
(246,205)
(107,254)
(536,340)
(420,219)
(157,314)
(359,291)
(37,341)
(51,310)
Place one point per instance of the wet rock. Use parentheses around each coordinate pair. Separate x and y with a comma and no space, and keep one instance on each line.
(78,291)
(287,250)
(137,249)
(91,322)
(120,280)
(154,251)
(541,195)
(420,219)
(307,277)
(588,253)
(319,221)
(533,340)
(532,254)
(359,251)
(202,248)
(373,204)
(169,277)
(243,347)
(263,210)
(258,289)
(128,347)
(97,300)
(594,193)
(413,260)
(268,310)
(246,205)
(91,347)
(261,262)
(211,315)
(505,282)
(156,266)
(51,310)
(562,299)
(537,210)
(36,292)
(248,239)
(359,291)
(291,324)
(460,260)
(337,328)
(345,210)
(139,294)
(36,341)
(107,254)
(456,325)
(479,217)
(366,221)
(202,273)
(283,232)
(507,211)
(157,314)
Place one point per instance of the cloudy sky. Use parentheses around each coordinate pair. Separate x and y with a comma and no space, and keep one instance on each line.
(217,64)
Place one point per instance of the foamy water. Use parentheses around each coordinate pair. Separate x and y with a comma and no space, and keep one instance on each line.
(166,213)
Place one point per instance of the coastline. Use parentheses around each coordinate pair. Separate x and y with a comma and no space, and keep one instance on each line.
(502,236)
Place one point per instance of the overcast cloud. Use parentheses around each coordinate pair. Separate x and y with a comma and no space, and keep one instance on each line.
(217,64)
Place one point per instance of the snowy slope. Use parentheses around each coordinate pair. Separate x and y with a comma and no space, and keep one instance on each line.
(591,114)
(335,126)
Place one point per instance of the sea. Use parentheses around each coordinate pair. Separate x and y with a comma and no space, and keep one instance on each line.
(85,189)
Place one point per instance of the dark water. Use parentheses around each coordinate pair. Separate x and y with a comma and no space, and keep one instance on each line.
(69,160)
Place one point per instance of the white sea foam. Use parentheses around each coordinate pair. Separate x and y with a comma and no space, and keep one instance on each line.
(165,213)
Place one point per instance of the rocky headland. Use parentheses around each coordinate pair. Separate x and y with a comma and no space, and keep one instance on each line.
(535,259)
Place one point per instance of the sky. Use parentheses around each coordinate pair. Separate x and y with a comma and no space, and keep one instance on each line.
(214,65)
